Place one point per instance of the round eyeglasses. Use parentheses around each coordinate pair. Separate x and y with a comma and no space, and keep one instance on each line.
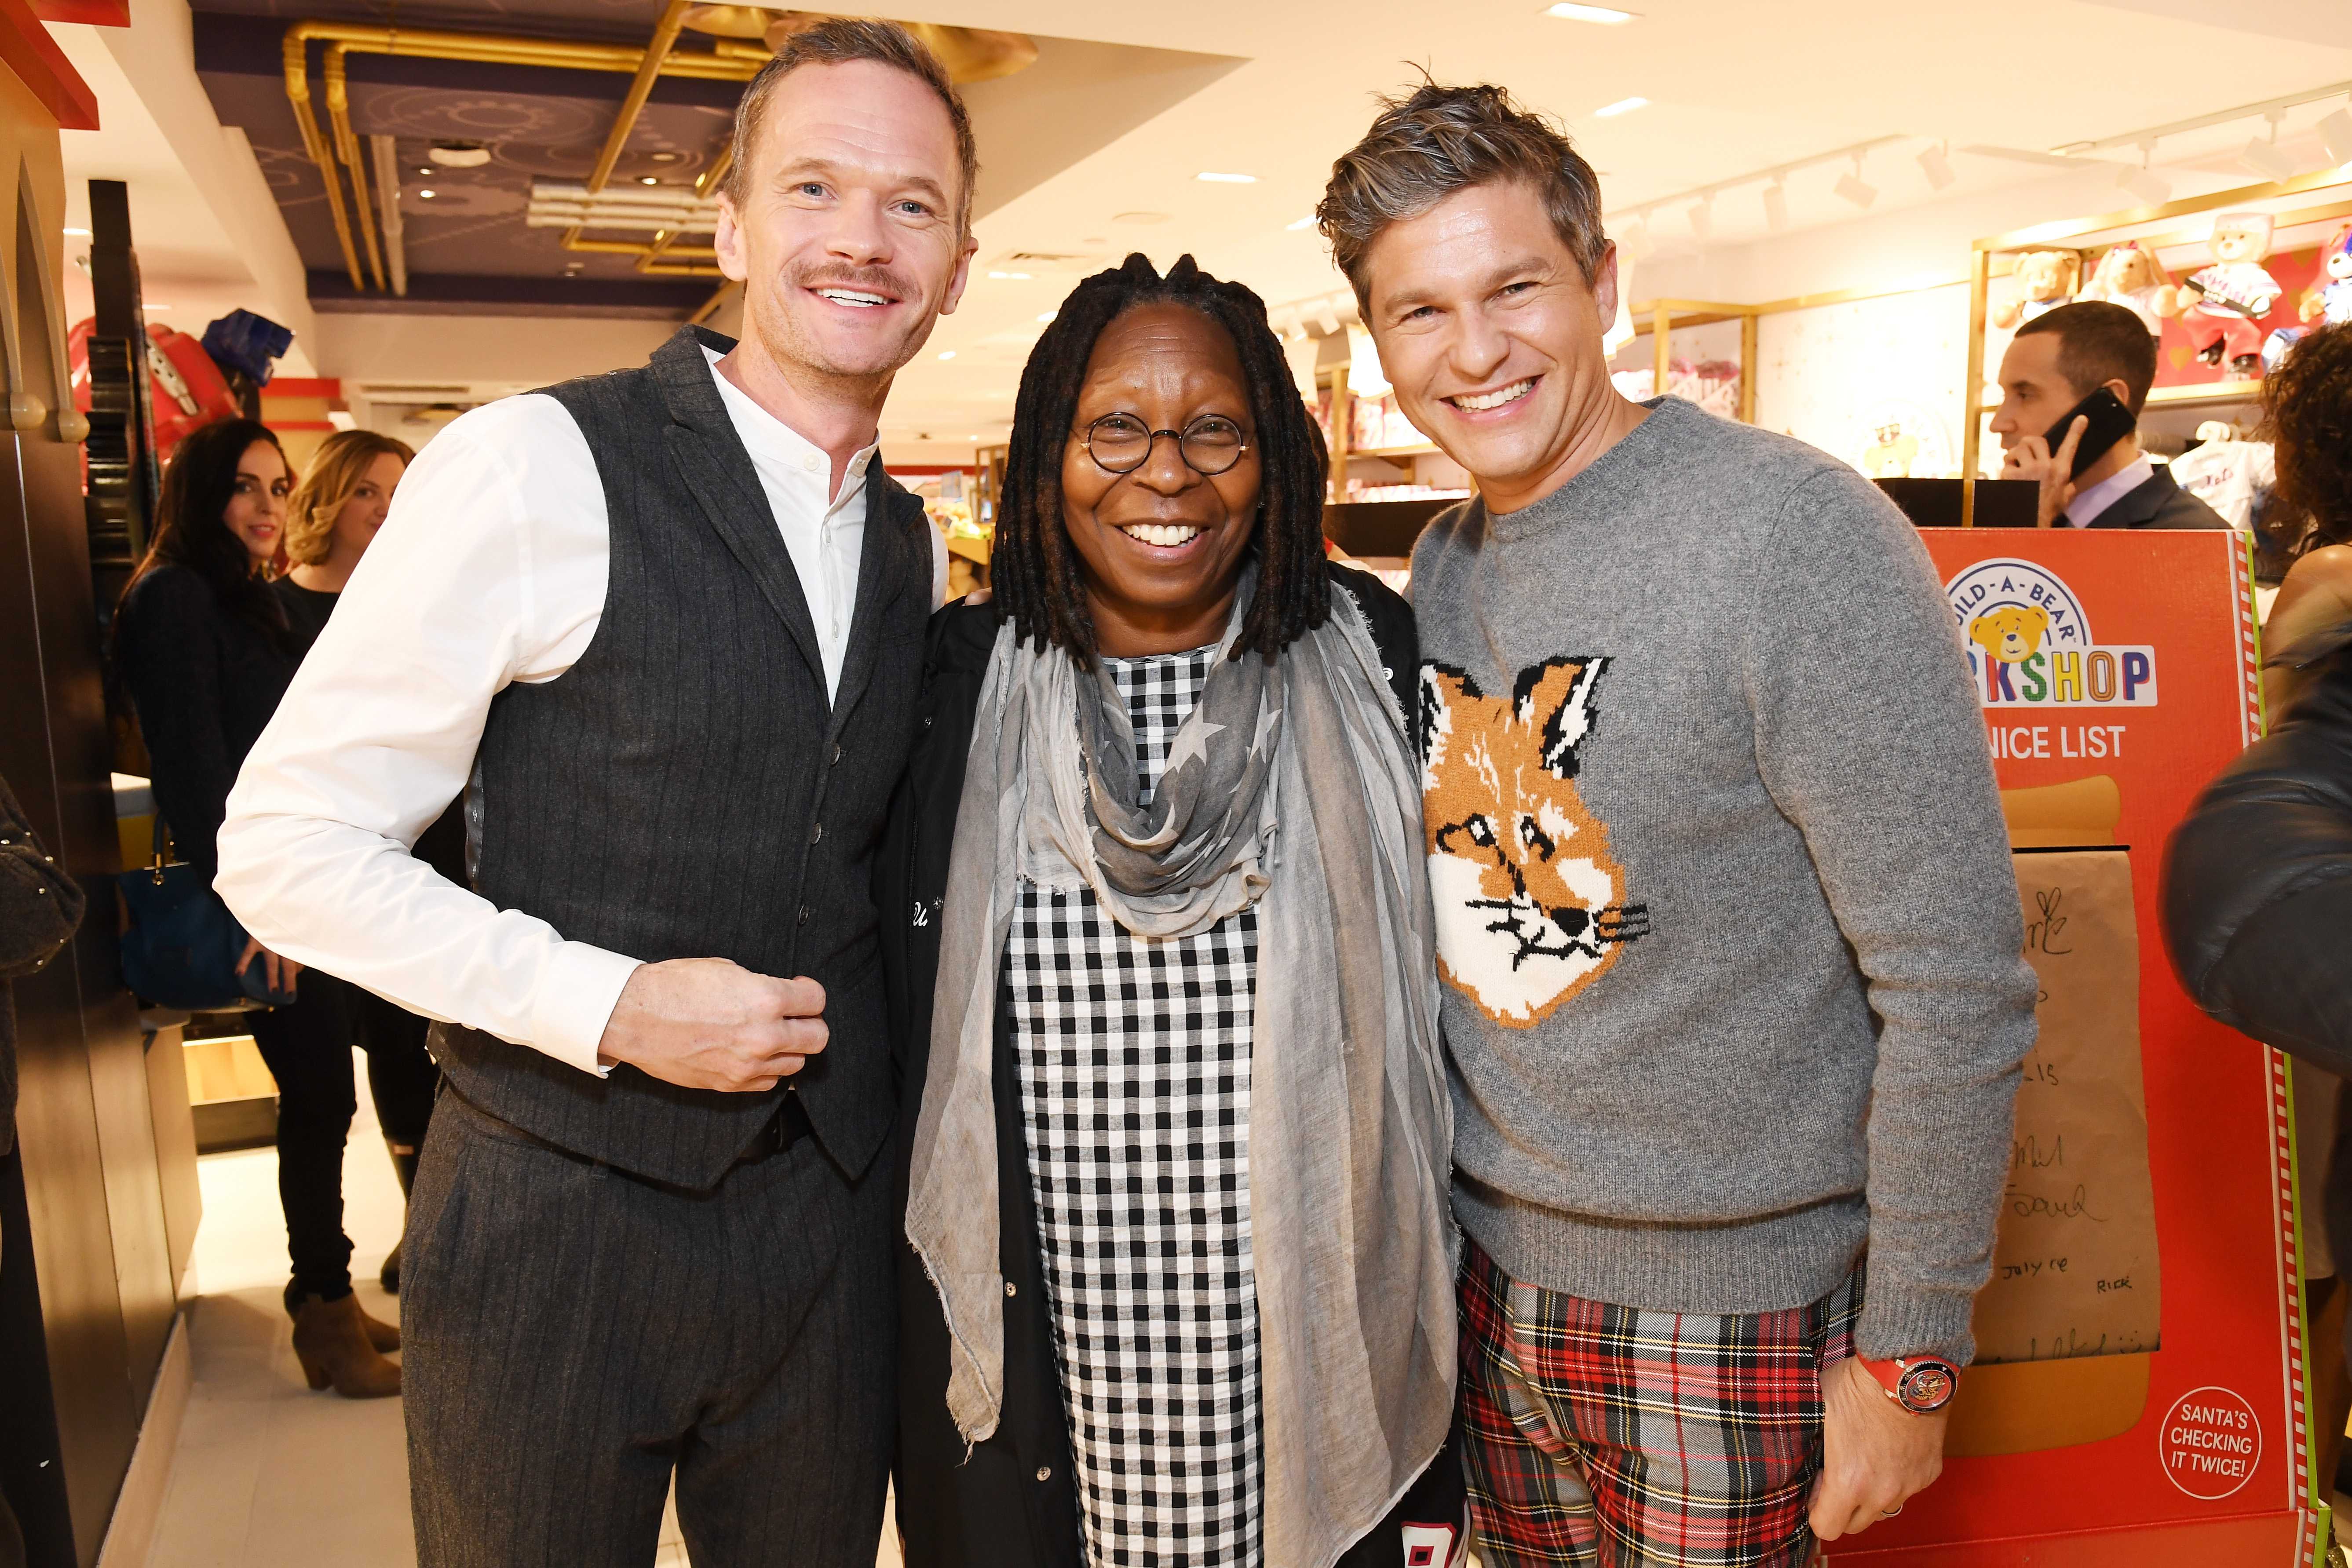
(1122,443)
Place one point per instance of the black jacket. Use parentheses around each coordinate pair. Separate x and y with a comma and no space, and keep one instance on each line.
(1012,1503)
(2159,502)
(204,682)
(2258,882)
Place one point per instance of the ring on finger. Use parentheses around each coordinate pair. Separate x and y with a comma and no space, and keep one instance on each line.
(1890,1512)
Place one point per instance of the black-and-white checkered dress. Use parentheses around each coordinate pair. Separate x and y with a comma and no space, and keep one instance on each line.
(1135,1076)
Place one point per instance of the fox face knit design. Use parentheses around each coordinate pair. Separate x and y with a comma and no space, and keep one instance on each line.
(1531,906)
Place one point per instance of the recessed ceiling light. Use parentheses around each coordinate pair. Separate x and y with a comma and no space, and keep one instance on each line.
(425,195)
(947,353)
(1216,179)
(150,305)
(1138,217)
(458,154)
(1306,223)
(1603,15)
(1622,106)
(1047,315)
(666,157)
(647,180)
(78,234)
(424,168)
(1021,276)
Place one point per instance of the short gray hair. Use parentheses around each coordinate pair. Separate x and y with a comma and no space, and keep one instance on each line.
(1435,140)
(836,41)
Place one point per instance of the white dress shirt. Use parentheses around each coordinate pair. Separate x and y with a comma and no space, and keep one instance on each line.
(2089,503)
(491,568)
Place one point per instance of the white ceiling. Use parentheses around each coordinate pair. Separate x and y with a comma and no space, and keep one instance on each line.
(1734,86)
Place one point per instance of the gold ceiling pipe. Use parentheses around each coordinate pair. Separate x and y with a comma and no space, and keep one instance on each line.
(673,17)
(730,61)
(298,93)
(709,179)
(346,146)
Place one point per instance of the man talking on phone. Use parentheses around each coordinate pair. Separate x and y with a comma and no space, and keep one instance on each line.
(2056,427)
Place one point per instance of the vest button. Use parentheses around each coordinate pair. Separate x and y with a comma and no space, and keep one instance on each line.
(1009,1289)
(1044,1472)
(804,913)
(836,755)
(816,833)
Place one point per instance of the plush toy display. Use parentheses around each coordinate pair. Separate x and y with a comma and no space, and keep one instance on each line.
(2045,280)
(2333,300)
(2128,275)
(2223,304)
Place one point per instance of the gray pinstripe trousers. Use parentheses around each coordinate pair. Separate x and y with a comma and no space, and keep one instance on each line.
(571,1334)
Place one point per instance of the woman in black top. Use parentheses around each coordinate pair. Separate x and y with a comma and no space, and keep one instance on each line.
(202,650)
(331,520)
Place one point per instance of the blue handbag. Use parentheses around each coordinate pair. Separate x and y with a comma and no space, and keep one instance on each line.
(181,948)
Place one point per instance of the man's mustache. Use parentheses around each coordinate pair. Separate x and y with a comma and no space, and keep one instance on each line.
(866,279)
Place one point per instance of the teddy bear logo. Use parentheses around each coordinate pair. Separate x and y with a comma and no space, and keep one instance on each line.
(2012,633)
(1530,904)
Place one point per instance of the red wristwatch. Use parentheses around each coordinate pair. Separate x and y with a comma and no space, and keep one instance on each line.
(1922,1384)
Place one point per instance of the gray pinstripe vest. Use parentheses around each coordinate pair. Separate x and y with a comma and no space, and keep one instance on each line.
(685,791)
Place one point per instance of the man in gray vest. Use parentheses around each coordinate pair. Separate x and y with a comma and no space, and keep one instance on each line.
(668,622)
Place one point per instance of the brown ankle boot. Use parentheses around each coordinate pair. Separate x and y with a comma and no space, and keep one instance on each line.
(330,1341)
(383,1336)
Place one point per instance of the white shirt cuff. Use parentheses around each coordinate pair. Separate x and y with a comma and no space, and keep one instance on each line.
(575,1001)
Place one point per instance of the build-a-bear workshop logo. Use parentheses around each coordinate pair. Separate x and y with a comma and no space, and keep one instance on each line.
(2031,646)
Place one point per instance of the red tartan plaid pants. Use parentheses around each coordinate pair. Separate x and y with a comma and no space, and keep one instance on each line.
(1596,1435)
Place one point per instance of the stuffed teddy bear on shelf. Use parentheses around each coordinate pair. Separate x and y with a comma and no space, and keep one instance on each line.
(2128,275)
(2222,305)
(2045,280)
(2333,300)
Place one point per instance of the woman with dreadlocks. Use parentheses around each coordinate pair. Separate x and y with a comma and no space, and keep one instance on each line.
(1161,968)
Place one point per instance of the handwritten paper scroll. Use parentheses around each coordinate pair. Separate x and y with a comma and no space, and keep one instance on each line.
(2074,1266)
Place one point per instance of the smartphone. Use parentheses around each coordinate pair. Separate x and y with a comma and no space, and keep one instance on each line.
(2110,423)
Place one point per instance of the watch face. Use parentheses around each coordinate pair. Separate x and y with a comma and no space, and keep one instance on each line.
(1926,1386)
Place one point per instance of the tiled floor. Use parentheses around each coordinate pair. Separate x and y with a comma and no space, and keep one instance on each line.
(267,1472)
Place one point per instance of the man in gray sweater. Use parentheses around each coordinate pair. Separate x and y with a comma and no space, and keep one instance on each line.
(1724,902)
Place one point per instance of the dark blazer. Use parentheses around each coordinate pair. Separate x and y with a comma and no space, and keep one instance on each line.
(2160,503)
(1013,1503)
(204,682)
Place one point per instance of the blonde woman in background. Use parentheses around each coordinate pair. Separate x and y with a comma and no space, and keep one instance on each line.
(330,520)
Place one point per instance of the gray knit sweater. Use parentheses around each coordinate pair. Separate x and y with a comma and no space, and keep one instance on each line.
(1725,905)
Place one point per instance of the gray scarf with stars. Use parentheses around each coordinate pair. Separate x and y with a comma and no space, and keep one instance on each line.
(1290,786)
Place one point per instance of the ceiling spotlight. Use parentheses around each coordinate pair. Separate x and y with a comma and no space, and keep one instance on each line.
(1634,244)
(2335,130)
(78,234)
(1852,188)
(1622,106)
(666,157)
(1776,205)
(1306,223)
(2151,191)
(2268,158)
(647,180)
(1702,217)
(1047,315)
(1214,178)
(1022,277)
(947,353)
(1600,13)
(1938,166)
(458,154)
(424,195)
(1325,317)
